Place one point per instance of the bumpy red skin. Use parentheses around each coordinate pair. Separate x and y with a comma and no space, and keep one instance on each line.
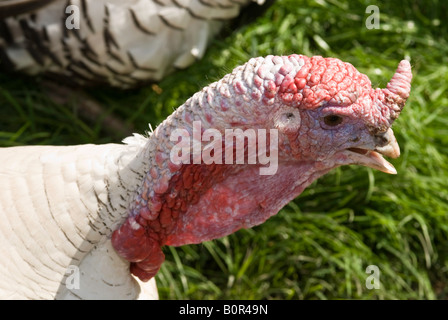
(142,246)
(294,81)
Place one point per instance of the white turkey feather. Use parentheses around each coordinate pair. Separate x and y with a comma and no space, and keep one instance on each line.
(113,42)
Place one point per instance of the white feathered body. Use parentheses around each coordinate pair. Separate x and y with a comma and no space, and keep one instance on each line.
(58,208)
(114,42)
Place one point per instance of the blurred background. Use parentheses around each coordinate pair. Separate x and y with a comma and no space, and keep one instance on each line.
(318,246)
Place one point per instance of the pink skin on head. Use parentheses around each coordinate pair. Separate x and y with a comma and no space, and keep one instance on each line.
(191,203)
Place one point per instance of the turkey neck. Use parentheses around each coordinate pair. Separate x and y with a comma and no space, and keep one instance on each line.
(167,188)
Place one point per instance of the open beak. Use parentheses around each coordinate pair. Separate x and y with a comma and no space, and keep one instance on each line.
(374,158)
(391,101)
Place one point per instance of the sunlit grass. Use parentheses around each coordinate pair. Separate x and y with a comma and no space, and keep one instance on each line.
(319,246)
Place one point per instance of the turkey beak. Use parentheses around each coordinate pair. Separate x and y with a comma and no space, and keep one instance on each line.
(391,101)
(385,144)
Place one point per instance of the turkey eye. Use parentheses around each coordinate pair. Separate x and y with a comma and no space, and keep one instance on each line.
(289,115)
(333,120)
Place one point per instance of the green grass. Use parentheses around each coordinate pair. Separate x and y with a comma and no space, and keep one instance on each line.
(317,247)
